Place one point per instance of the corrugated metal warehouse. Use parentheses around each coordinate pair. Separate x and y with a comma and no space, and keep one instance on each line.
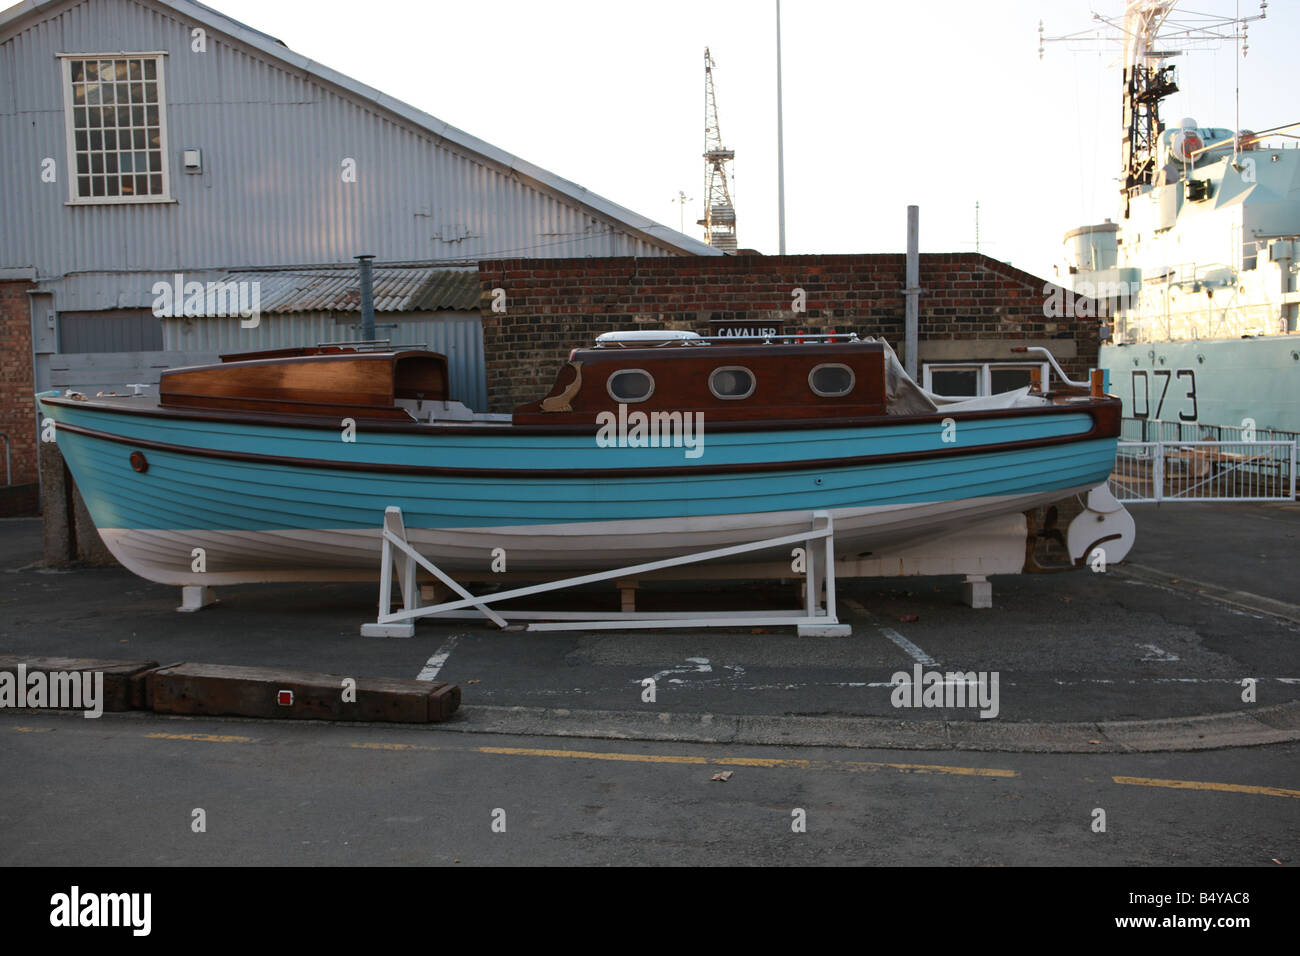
(142,140)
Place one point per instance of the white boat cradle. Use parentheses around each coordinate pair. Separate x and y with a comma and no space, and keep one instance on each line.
(995,546)
(814,620)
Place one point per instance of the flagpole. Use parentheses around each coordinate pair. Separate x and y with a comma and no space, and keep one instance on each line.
(780,136)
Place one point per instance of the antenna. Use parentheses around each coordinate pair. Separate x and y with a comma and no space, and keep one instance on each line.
(719,220)
(1150,32)
(682,199)
(977,227)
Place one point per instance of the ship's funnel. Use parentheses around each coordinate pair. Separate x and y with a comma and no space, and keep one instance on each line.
(1092,248)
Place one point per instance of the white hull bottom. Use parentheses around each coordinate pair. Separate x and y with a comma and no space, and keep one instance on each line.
(879,540)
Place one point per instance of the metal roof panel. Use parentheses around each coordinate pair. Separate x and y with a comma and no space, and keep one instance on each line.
(396,289)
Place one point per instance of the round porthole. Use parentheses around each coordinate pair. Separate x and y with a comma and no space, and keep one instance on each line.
(831,381)
(139,462)
(732,382)
(630,385)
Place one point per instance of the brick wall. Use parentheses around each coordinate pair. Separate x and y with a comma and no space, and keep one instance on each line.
(553,305)
(17,388)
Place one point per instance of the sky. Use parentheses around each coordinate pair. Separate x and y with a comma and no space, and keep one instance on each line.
(940,103)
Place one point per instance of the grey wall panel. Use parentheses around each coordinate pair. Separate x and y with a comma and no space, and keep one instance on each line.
(271,191)
(457,335)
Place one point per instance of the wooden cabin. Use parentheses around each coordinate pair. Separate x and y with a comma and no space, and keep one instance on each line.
(725,380)
(325,381)
(781,381)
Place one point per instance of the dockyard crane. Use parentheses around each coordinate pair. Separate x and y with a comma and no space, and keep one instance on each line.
(719,220)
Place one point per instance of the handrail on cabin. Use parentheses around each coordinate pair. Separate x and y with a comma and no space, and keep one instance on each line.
(797,338)
(1051,359)
(372,345)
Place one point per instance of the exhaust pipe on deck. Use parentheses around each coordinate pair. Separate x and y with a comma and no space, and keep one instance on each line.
(367,298)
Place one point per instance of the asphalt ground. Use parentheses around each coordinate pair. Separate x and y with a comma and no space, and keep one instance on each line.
(124,790)
(1172,636)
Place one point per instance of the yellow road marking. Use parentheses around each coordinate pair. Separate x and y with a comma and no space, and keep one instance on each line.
(939,768)
(1204,785)
(210,738)
(589,755)
(764,762)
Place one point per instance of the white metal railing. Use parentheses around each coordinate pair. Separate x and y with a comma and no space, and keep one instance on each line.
(1205,471)
(1153,429)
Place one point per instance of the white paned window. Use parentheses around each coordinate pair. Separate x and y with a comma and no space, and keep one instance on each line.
(116,112)
(974,379)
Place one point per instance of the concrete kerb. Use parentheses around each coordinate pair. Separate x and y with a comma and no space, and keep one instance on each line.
(1273,724)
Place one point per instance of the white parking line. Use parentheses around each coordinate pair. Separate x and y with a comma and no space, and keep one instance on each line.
(915,652)
(696,665)
(912,650)
(434,663)
(1005,683)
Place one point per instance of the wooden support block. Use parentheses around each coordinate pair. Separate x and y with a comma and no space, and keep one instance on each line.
(627,593)
(218,689)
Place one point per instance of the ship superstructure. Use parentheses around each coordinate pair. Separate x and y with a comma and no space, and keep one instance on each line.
(1196,277)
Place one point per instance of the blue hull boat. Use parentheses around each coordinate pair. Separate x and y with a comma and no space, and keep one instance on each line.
(279,466)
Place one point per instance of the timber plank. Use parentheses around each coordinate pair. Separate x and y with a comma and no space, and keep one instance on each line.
(221,689)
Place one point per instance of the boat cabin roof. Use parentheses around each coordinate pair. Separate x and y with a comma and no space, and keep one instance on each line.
(665,372)
(319,381)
